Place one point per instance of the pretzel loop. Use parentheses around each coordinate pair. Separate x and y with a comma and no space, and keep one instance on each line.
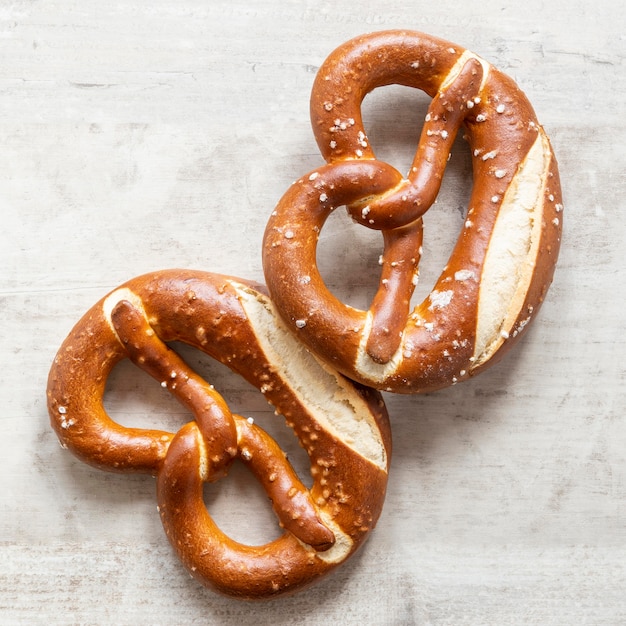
(502,264)
(343,427)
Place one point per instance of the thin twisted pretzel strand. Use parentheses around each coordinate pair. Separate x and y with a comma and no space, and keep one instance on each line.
(502,265)
(343,427)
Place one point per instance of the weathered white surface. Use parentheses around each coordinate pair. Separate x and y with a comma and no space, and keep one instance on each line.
(137,135)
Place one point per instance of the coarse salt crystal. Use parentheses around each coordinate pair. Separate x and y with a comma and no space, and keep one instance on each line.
(464,275)
(440,299)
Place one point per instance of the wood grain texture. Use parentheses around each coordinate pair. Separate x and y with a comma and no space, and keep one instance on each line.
(145,135)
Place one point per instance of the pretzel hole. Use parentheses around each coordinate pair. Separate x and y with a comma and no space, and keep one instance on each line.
(348,259)
(134,400)
(393,117)
(240,507)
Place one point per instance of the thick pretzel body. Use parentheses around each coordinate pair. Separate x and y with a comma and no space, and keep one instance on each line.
(502,265)
(342,426)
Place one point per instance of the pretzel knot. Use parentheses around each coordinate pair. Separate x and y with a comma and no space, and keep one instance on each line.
(500,269)
(343,427)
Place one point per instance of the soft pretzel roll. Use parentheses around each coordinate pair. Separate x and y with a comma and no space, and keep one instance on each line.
(342,426)
(502,264)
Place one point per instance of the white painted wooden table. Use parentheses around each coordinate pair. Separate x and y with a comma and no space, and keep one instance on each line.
(138,135)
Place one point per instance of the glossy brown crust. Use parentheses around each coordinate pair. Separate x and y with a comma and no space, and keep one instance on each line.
(433,345)
(205,311)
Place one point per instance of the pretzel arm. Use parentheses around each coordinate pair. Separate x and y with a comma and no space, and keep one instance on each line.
(391,304)
(152,355)
(290,499)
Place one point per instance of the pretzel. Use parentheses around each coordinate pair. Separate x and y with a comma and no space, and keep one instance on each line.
(502,265)
(342,426)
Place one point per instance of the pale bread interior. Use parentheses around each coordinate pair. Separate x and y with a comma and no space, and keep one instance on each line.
(512,253)
(330,399)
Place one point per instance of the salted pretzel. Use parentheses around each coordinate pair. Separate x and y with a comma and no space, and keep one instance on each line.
(342,426)
(503,262)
